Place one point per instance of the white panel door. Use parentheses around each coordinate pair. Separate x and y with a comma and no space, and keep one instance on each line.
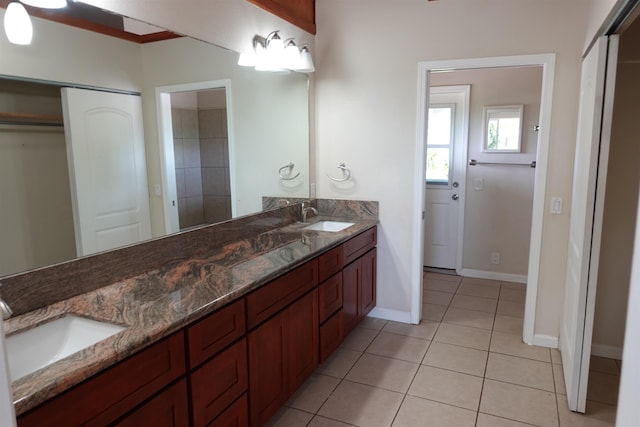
(107,169)
(589,176)
(446,153)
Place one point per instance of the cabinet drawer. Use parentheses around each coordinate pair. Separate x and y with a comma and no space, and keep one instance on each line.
(219,382)
(215,332)
(276,295)
(110,394)
(168,409)
(330,263)
(359,245)
(331,336)
(330,295)
(236,415)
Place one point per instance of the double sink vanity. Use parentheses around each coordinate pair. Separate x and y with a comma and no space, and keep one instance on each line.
(216,326)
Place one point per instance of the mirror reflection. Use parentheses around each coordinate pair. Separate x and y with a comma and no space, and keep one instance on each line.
(248,127)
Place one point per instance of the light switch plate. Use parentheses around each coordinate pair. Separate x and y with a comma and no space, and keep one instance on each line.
(556,206)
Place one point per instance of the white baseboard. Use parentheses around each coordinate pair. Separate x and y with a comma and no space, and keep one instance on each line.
(493,275)
(545,340)
(389,314)
(608,351)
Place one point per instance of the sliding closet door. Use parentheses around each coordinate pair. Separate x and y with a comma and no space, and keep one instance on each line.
(107,168)
(585,228)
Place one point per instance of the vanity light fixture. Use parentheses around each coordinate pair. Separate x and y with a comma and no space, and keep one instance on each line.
(273,54)
(17,24)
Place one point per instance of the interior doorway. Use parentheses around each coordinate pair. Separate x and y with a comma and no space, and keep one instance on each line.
(196,148)
(547,63)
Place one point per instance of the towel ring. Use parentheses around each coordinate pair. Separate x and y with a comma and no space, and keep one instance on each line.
(345,170)
(288,177)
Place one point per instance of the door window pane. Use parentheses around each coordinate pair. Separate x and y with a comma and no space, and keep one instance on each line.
(439,142)
(437,165)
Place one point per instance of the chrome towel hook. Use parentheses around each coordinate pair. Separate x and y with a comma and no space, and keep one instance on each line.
(288,176)
(345,172)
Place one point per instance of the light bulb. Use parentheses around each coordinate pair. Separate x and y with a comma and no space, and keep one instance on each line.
(292,59)
(306,62)
(17,24)
(46,4)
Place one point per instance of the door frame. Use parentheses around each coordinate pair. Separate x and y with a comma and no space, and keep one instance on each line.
(465,92)
(547,62)
(165,141)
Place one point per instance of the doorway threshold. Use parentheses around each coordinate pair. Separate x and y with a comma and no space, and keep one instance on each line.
(449,271)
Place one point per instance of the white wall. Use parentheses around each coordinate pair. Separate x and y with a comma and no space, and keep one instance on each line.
(366,111)
(498,218)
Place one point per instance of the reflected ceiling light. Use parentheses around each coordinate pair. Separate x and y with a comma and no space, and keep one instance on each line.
(273,54)
(17,24)
(46,4)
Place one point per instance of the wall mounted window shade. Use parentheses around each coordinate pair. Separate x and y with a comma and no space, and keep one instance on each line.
(502,129)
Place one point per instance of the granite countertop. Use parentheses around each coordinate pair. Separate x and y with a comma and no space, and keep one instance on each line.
(153,305)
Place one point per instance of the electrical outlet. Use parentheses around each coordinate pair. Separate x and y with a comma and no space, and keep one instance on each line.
(495,258)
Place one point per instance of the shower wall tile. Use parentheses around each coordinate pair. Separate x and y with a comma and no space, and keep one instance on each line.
(193,181)
(215,208)
(176,122)
(191,153)
(189,123)
(195,211)
(212,152)
(178,152)
(213,182)
(181,188)
(182,211)
(212,123)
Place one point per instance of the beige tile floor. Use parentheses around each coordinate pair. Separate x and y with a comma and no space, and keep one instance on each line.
(464,365)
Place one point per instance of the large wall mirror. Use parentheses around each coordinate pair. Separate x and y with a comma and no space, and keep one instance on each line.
(234,128)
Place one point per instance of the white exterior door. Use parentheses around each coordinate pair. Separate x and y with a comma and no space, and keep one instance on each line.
(448,125)
(585,228)
(107,169)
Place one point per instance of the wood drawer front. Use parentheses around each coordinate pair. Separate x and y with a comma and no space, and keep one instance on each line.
(236,415)
(359,245)
(330,293)
(215,332)
(107,396)
(219,382)
(331,336)
(329,263)
(168,409)
(276,295)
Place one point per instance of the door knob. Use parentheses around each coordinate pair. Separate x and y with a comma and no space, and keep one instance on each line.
(455,197)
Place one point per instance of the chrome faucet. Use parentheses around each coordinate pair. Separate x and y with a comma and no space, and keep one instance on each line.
(6,311)
(305,211)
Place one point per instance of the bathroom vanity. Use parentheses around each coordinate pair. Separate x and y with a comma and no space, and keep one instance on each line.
(222,337)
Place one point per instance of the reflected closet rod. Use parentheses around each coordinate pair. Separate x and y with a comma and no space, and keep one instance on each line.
(473,162)
(22,119)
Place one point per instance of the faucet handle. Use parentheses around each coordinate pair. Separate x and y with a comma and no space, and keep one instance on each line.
(5,310)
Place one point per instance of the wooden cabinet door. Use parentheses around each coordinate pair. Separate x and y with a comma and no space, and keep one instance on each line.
(168,409)
(350,284)
(267,363)
(218,382)
(235,415)
(367,294)
(302,335)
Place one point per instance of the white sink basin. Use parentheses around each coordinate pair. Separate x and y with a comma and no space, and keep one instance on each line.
(45,344)
(333,226)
